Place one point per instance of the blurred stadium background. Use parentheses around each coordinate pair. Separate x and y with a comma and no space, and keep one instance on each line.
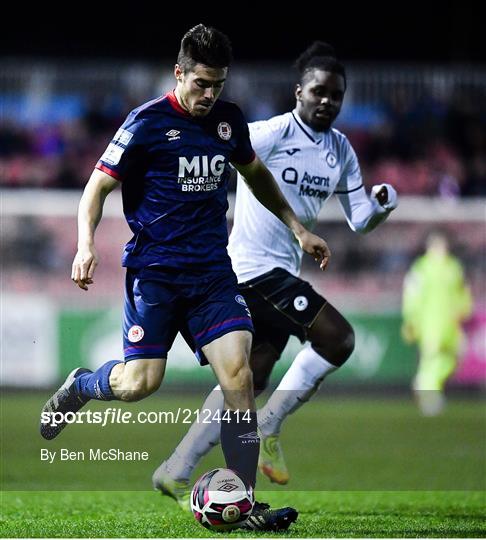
(421,128)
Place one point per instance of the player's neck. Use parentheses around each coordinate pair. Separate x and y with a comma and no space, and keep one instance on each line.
(314,132)
(180,100)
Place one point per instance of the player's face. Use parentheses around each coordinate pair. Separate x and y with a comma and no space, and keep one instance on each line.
(199,88)
(320,98)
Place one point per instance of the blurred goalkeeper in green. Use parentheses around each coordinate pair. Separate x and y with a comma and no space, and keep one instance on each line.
(436,301)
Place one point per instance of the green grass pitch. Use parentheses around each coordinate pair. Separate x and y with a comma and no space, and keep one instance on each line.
(361,467)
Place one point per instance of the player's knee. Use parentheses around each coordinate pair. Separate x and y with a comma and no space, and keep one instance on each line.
(241,378)
(238,388)
(340,348)
(237,376)
(347,343)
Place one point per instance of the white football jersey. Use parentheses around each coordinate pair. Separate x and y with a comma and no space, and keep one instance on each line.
(309,167)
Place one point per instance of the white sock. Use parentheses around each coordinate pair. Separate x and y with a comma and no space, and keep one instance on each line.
(301,381)
(199,440)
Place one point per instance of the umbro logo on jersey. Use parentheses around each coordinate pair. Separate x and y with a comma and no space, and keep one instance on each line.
(292,151)
(173,135)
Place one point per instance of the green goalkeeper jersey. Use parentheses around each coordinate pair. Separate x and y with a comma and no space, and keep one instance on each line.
(436,299)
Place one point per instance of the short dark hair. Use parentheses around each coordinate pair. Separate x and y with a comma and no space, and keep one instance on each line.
(204,45)
(319,55)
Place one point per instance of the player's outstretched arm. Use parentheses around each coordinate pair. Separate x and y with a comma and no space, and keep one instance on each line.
(90,211)
(262,184)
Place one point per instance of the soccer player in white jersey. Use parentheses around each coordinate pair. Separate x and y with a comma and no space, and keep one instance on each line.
(311,161)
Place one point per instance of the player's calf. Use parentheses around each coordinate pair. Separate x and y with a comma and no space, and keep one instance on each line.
(298,385)
(228,356)
(136,379)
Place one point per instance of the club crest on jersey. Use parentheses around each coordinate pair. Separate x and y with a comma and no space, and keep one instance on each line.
(135,333)
(224,131)
(331,159)
(300,303)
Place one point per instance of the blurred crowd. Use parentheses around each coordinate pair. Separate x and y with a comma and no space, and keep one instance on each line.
(55,155)
(428,145)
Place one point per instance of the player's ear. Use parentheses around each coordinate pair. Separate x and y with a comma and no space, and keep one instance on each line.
(298,92)
(178,72)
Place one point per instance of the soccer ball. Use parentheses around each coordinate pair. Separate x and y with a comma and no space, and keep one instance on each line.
(221,500)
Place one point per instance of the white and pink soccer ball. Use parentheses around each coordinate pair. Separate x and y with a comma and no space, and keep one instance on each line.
(221,500)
